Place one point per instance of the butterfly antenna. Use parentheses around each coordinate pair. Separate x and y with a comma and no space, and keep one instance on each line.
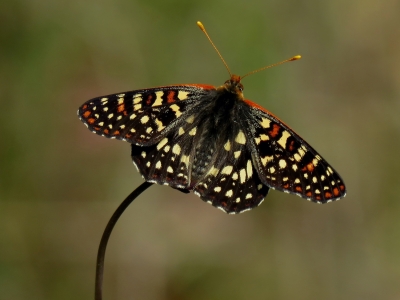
(201,26)
(297,57)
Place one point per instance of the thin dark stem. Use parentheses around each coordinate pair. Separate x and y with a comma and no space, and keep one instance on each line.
(106,235)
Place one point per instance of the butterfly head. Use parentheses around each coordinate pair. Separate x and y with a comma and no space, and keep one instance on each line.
(234,86)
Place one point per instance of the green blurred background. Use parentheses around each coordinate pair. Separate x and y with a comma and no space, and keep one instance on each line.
(60,183)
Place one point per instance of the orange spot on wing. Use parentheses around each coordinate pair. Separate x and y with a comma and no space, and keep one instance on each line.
(121,107)
(298,189)
(86,114)
(336,191)
(310,167)
(84,106)
(106,131)
(291,146)
(309,194)
(286,186)
(91,120)
(275,130)
(318,197)
(128,135)
(328,195)
(117,132)
(342,187)
(149,98)
(170,96)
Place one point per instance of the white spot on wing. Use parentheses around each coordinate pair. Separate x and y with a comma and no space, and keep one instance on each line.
(159,100)
(190,119)
(185,160)
(176,149)
(227,170)
(176,109)
(282,163)
(266,159)
(213,171)
(240,138)
(182,95)
(227,146)
(159,124)
(265,123)
(249,169)
(137,99)
(282,141)
(162,143)
(193,131)
(144,119)
(242,174)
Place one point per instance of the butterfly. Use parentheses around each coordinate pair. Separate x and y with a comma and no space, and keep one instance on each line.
(212,141)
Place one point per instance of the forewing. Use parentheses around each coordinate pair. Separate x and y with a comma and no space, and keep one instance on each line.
(141,117)
(286,162)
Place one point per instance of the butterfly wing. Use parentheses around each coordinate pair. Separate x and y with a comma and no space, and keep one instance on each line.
(141,117)
(231,182)
(284,161)
(169,161)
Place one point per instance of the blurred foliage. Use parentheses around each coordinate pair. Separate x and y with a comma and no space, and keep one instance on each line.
(59,183)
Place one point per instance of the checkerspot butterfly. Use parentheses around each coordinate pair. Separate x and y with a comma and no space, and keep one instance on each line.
(214,142)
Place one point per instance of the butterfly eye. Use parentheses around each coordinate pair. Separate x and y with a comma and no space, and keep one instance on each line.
(240,87)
